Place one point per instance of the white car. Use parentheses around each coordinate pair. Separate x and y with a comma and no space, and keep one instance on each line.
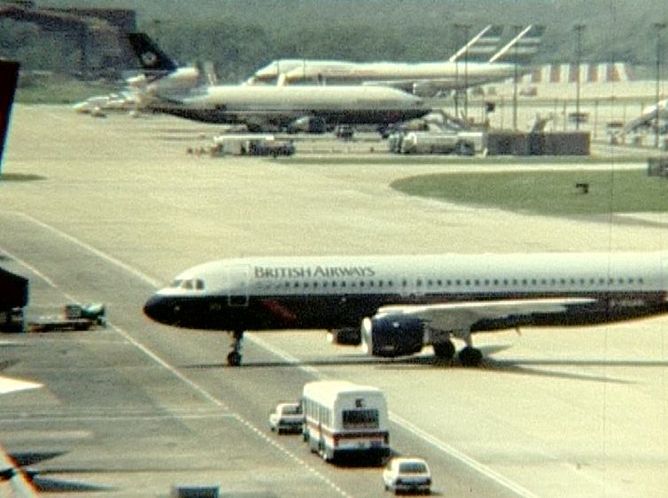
(286,417)
(407,474)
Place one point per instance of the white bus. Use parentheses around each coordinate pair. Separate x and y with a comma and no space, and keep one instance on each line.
(342,419)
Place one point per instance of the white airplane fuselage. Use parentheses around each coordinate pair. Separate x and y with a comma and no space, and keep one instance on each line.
(447,75)
(282,105)
(339,292)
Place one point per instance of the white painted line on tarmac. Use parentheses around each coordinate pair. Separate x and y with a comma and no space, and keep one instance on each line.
(30,268)
(109,259)
(413,429)
(217,402)
(474,464)
(455,453)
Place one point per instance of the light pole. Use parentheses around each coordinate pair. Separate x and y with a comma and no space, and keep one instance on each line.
(517,30)
(465,28)
(659,27)
(579,28)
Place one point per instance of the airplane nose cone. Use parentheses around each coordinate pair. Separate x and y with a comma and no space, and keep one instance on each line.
(156,309)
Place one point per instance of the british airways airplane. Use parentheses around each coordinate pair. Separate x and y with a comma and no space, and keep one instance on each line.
(399,304)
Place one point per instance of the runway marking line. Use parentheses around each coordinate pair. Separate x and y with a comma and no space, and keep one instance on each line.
(217,402)
(453,452)
(416,431)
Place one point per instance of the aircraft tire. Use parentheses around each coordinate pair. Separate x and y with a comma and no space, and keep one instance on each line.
(470,357)
(234,359)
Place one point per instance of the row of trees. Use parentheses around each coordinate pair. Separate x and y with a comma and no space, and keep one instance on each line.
(240,36)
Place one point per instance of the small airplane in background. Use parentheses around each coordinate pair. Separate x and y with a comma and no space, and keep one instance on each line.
(264,108)
(396,305)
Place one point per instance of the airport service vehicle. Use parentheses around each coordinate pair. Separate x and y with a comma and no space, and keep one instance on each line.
(417,142)
(343,419)
(286,417)
(251,145)
(407,474)
(344,132)
(74,317)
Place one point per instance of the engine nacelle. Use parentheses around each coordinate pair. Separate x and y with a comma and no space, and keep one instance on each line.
(347,336)
(424,89)
(392,335)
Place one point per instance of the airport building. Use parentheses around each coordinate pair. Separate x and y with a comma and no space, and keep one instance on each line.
(95,34)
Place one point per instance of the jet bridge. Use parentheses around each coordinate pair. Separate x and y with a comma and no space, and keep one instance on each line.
(13,298)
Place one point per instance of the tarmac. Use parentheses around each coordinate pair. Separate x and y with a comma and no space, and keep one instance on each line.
(108,210)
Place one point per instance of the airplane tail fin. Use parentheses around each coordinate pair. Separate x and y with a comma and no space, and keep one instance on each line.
(523,46)
(153,60)
(482,46)
(9,75)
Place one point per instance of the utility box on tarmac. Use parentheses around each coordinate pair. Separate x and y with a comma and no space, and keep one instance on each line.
(500,143)
(657,166)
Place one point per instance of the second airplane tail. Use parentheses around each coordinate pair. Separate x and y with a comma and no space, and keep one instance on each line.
(153,60)
(523,47)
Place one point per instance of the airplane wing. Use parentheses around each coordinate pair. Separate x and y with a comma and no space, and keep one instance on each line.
(421,88)
(463,315)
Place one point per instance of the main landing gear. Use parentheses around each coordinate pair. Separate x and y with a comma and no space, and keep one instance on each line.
(469,356)
(234,357)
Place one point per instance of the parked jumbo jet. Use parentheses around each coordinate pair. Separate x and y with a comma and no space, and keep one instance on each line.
(271,107)
(484,43)
(418,78)
(402,303)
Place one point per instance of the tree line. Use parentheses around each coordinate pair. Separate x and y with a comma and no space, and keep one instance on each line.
(241,36)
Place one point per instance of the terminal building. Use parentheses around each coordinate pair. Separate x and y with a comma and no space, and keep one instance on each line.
(94,34)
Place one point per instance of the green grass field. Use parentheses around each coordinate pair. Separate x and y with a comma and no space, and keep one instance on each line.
(549,192)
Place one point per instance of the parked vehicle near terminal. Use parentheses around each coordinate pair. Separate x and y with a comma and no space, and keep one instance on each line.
(417,142)
(407,474)
(344,132)
(343,419)
(251,145)
(286,417)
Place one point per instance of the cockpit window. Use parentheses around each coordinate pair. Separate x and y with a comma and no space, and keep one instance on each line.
(188,284)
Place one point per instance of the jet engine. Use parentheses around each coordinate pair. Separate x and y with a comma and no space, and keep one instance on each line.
(392,335)
(424,89)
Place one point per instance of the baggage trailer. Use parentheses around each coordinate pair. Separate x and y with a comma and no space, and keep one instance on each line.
(74,317)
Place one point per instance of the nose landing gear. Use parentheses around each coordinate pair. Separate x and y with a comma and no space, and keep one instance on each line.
(234,357)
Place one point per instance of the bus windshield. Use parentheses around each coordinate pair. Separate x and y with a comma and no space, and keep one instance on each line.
(360,419)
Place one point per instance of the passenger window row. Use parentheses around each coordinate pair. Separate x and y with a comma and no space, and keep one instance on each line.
(440,283)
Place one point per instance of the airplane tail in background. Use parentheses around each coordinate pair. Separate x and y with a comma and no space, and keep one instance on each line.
(523,47)
(153,60)
(482,46)
(9,75)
